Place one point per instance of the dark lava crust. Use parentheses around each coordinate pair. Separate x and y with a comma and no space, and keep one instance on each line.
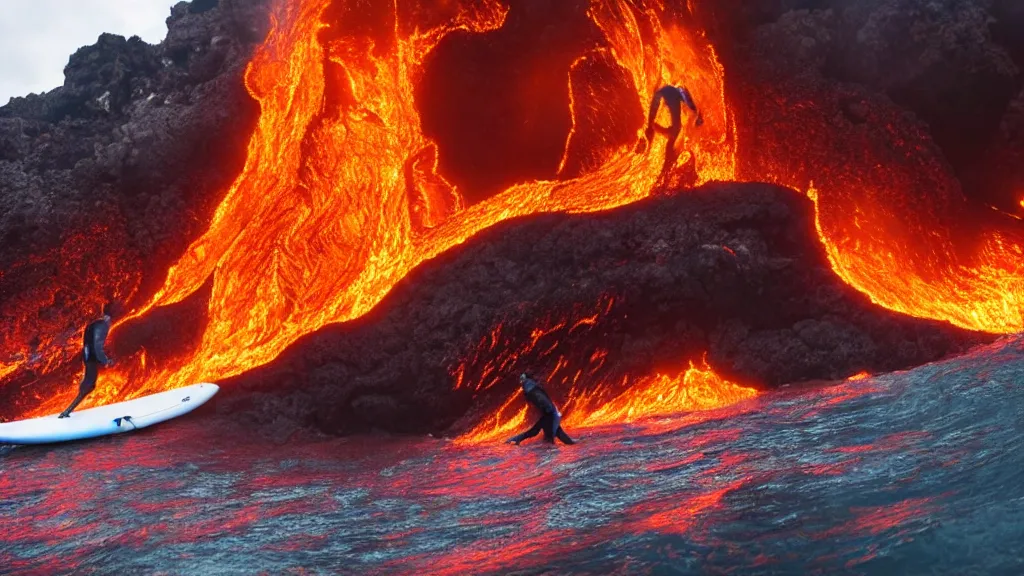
(735,270)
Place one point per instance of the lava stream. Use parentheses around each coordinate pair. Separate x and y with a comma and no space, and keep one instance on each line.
(320,224)
(336,233)
(566,348)
(698,388)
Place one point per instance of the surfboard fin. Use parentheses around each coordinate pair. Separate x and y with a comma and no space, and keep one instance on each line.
(127,419)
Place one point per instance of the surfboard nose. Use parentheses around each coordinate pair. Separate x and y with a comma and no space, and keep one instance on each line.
(206,390)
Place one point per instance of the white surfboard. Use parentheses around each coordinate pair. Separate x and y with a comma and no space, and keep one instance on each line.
(111,419)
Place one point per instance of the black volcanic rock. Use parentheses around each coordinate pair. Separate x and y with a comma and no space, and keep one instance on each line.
(950,62)
(937,58)
(800,41)
(106,180)
(1000,172)
(1009,22)
(733,270)
(121,165)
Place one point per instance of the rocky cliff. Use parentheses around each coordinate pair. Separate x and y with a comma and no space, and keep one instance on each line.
(955,65)
(106,180)
(733,270)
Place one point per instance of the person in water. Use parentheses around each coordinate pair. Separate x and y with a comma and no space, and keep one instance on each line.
(551,419)
(93,357)
(674,97)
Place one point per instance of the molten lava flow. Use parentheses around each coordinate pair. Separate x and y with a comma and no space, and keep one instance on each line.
(7,369)
(340,196)
(696,389)
(319,226)
(548,341)
(921,274)
(575,370)
(509,420)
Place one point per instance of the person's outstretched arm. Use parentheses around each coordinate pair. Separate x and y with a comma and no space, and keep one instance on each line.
(688,100)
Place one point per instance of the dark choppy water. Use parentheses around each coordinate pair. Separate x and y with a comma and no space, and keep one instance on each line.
(908,473)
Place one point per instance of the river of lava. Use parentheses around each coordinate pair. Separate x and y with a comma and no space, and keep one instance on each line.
(566,348)
(321,224)
(696,389)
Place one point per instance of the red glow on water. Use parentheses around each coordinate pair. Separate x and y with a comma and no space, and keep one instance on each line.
(876,520)
(846,392)
(680,518)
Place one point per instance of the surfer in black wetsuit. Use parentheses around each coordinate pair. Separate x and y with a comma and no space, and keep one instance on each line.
(92,357)
(550,420)
(674,97)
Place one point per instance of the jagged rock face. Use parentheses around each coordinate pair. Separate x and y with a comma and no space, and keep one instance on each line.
(99,80)
(936,58)
(122,164)
(951,62)
(799,42)
(1009,22)
(733,270)
(106,180)
(1001,170)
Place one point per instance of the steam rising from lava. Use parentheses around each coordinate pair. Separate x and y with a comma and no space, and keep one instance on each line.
(341,197)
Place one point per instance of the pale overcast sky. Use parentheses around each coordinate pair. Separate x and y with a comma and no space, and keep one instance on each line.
(38,36)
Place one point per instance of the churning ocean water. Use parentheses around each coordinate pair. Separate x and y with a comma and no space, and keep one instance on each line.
(916,472)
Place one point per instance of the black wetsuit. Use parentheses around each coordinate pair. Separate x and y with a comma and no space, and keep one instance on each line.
(93,357)
(550,421)
(674,97)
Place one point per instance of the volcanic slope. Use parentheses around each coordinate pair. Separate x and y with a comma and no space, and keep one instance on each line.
(733,270)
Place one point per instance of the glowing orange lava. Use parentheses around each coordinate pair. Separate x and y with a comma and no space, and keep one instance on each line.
(587,394)
(698,388)
(318,227)
(7,369)
(321,224)
(922,276)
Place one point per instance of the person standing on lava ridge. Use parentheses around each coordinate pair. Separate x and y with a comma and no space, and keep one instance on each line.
(92,357)
(551,419)
(674,97)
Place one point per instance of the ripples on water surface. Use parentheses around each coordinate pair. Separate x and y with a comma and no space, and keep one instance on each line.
(907,473)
